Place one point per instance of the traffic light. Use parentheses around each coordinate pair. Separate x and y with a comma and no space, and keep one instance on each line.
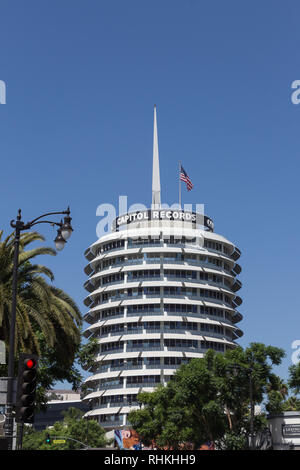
(48,439)
(26,388)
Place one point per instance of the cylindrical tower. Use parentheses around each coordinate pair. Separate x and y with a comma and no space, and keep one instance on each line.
(162,290)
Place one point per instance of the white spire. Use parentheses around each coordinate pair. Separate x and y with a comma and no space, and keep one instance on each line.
(155,175)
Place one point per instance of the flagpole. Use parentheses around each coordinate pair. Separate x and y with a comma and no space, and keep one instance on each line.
(179,185)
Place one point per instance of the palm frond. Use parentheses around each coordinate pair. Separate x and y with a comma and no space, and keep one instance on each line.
(41,307)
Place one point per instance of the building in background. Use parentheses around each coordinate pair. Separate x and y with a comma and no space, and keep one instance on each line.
(162,290)
(59,401)
(285,430)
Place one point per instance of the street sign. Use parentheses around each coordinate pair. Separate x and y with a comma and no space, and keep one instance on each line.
(59,441)
(291,430)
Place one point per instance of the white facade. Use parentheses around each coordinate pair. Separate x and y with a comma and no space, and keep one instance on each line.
(156,300)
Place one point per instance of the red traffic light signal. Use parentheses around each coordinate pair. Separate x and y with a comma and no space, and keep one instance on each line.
(30,363)
(26,388)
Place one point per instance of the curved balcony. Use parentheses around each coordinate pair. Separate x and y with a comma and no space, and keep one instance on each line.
(237,285)
(237,269)
(235,255)
(176,299)
(89,254)
(88,270)
(237,317)
(237,301)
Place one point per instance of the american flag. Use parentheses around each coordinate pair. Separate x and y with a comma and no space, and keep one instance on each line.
(184,177)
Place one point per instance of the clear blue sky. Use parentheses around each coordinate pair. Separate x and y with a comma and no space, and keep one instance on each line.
(82,78)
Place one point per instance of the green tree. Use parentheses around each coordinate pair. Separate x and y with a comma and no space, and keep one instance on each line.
(52,369)
(292,403)
(294,377)
(77,432)
(41,307)
(86,359)
(87,352)
(278,399)
(209,399)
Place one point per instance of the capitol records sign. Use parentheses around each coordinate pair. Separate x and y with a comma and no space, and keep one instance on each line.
(163,214)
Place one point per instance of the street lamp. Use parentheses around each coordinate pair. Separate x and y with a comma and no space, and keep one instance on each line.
(64,231)
(59,241)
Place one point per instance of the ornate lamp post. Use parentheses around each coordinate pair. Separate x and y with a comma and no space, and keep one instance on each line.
(63,233)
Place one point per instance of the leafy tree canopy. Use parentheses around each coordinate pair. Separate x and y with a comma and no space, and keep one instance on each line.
(209,399)
(76,431)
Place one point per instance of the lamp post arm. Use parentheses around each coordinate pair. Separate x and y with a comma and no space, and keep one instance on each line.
(35,221)
(45,215)
(11,356)
(59,224)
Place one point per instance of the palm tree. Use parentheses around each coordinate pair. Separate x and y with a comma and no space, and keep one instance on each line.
(278,385)
(292,404)
(41,307)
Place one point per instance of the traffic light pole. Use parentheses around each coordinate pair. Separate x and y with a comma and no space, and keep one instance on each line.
(20,436)
(11,358)
(49,440)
